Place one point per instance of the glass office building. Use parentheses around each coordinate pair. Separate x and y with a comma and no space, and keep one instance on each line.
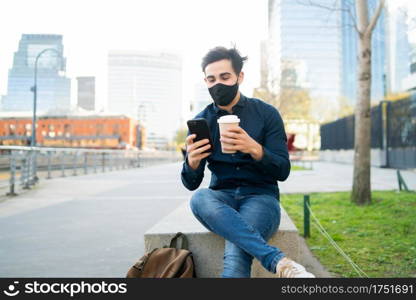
(86,92)
(308,37)
(389,50)
(409,83)
(398,49)
(147,86)
(53,90)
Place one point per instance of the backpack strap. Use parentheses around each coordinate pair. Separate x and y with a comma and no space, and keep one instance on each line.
(174,240)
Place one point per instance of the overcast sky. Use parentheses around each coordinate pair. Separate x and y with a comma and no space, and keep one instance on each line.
(91,28)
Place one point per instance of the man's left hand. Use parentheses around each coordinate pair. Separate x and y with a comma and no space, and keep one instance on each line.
(239,140)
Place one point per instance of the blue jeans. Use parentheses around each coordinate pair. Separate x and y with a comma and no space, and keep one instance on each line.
(246,222)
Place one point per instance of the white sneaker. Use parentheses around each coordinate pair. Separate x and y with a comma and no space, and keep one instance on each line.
(287,268)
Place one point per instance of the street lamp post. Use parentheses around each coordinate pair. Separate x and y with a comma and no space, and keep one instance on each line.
(34,89)
(35,93)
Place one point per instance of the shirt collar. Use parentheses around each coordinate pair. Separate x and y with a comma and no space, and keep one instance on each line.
(241,102)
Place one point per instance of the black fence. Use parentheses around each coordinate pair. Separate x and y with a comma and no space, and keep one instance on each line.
(339,134)
(394,131)
(402,123)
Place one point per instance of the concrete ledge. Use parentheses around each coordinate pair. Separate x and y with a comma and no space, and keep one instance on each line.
(208,248)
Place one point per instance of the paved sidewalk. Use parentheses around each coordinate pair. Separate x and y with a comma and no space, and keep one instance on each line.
(333,177)
(85,226)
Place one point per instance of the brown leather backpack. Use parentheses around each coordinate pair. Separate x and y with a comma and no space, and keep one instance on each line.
(166,262)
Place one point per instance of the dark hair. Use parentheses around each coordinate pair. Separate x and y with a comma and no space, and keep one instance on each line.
(219,53)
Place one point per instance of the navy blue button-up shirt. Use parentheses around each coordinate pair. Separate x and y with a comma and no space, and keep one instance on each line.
(264,124)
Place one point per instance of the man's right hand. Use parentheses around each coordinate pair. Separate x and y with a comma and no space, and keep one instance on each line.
(195,150)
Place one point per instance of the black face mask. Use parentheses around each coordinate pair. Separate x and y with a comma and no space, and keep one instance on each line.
(223,94)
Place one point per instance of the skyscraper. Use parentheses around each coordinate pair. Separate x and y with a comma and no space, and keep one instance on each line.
(86,92)
(398,49)
(147,86)
(53,89)
(409,83)
(304,38)
(389,49)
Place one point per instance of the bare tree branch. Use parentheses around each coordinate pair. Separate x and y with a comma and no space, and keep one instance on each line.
(354,21)
(334,7)
(375,17)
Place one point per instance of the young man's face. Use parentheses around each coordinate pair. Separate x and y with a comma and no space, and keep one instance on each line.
(221,71)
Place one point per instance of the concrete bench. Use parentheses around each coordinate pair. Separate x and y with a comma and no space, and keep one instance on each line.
(208,248)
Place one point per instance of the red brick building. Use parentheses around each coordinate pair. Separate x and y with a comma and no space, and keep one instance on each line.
(95,131)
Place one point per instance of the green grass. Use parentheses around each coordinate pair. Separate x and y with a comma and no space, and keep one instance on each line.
(380,238)
(298,168)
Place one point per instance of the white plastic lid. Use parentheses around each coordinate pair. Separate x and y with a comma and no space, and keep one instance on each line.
(229,119)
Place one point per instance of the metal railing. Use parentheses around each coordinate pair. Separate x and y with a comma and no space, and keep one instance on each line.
(22,167)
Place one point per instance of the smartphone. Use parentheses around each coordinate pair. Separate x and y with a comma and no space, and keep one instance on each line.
(200,127)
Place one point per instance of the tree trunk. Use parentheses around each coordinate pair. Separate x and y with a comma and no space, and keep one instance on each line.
(361,189)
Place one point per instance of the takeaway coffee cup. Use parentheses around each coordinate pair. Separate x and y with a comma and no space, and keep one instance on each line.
(227,122)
